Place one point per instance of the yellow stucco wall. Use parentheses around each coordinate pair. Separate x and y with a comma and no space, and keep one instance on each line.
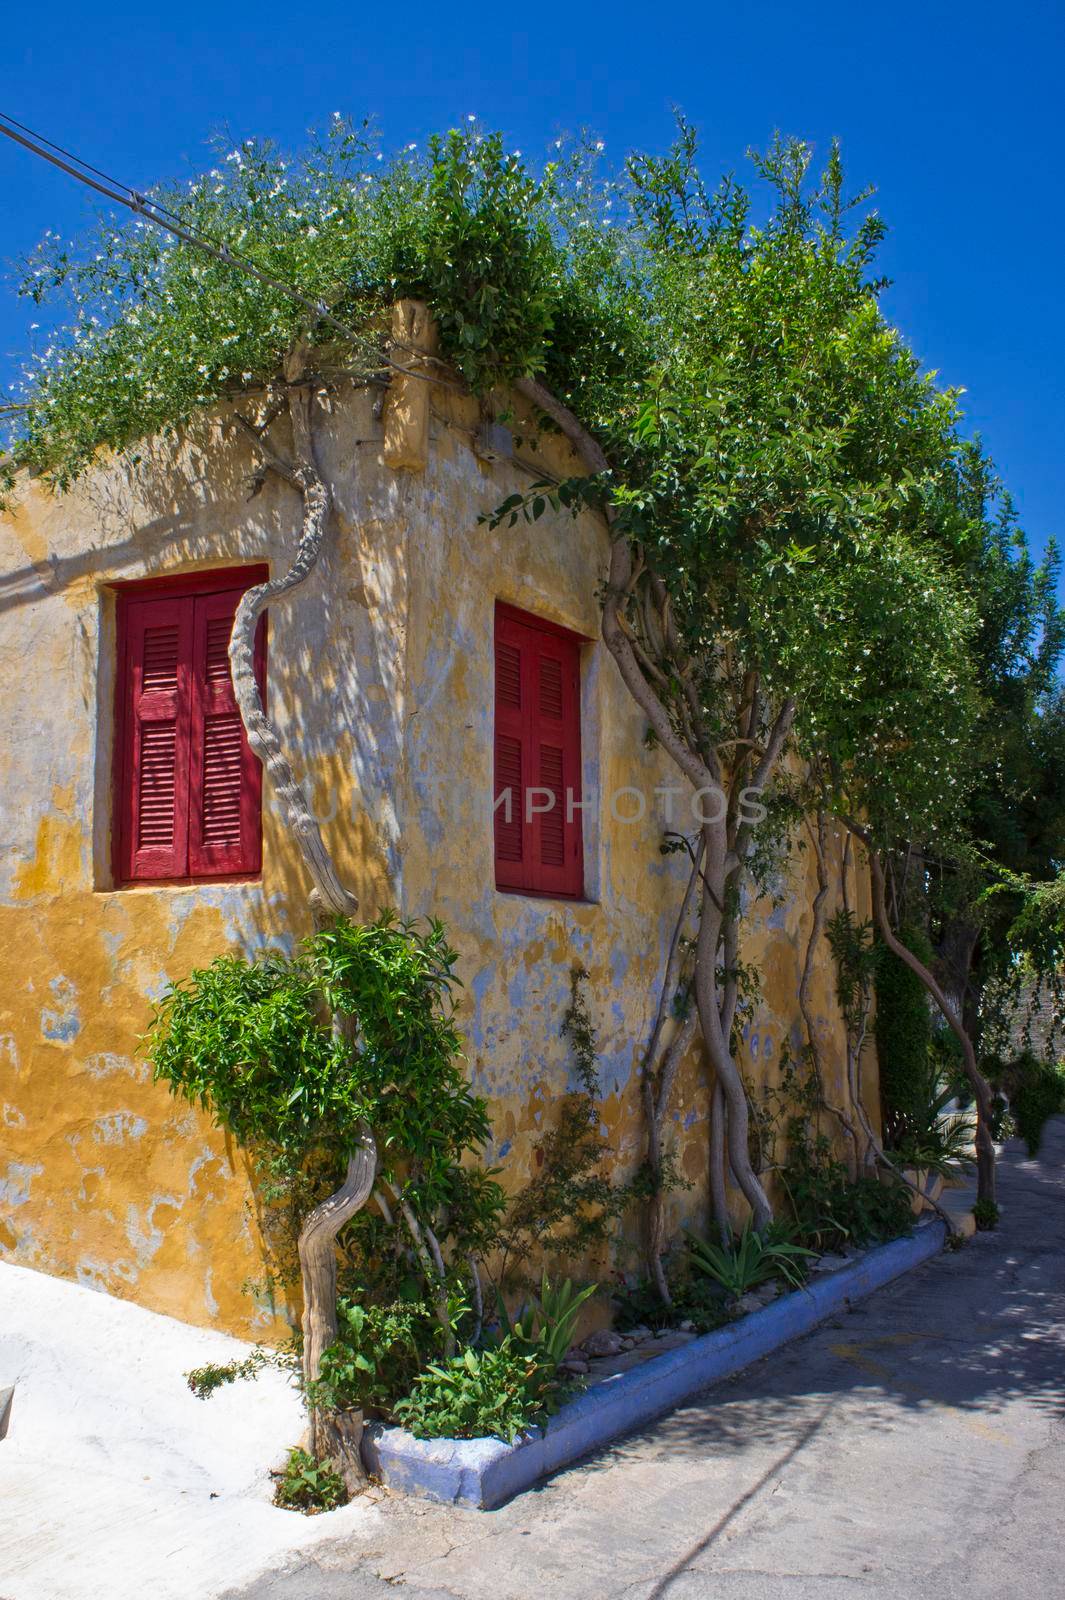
(380,676)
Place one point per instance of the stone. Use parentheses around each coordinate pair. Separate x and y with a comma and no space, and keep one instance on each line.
(573,1365)
(604,1342)
(687,1326)
(829,1263)
(639,1334)
(745,1305)
(672,1339)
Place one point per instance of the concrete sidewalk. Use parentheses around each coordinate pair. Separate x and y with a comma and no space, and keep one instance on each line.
(912,1448)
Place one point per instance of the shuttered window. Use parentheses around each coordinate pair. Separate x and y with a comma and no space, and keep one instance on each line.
(537,789)
(188,791)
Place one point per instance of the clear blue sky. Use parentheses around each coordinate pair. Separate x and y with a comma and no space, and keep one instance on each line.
(949,109)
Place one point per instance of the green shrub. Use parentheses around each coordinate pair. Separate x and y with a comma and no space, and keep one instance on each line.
(498,1392)
(694,1298)
(829,1210)
(933,1139)
(307,1485)
(378,1353)
(985,1215)
(903,1037)
(1036,1091)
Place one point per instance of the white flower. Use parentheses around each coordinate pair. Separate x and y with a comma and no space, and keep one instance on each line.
(472,117)
(599,145)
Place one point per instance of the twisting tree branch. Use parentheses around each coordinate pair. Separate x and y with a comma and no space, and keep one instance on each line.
(331,896)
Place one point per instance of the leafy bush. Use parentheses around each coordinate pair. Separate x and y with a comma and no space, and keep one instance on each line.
(694,1298)
(378,1353)
(497,1392)
(1036,1091)
(829,1210)
(933,1139)
(985,1215)
(254,1043)
(307,1485)
(749,1261)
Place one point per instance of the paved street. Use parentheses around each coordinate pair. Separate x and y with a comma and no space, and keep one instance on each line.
(912,1448)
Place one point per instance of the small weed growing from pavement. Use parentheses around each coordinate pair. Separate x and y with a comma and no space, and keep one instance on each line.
(307,1485)
(985,1215)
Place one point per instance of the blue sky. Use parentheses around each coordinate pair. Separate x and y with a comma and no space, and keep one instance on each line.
(947,108)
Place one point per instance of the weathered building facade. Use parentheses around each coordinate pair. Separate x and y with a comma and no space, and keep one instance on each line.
(382,676)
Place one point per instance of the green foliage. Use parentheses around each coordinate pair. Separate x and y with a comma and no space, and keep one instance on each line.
(985,1215)
(204,1381)
(857,958)
(749,1261)
(934,1140)
(828,1210)
(695,1299)
(903,1038)
(307,1485)
(544,1330)
(572,1204)
(479,248)
(496,1392)
(1036,1092)
(378,1352)
(255,1044)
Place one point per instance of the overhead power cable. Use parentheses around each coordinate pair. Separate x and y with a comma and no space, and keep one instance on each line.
(144,206)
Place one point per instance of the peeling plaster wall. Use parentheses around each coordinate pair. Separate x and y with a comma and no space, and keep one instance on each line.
(380,675)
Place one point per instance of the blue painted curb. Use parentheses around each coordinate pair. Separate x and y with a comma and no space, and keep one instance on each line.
(486,1472)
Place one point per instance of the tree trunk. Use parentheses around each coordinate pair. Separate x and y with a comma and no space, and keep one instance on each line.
(330,894)
(817,928)
(318,1268)
(720,1053)
(658,1085)
(985,1143)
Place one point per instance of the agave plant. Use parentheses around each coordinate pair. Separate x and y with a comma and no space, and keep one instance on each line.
(750,1260)
(938,1141)
(545,1328)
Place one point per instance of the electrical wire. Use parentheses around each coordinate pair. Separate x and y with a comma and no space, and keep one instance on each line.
(143,206)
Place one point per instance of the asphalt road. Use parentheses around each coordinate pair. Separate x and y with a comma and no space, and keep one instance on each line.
(913,1448)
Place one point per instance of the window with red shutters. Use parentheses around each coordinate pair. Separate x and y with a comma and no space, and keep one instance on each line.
(537,787)
(188,791)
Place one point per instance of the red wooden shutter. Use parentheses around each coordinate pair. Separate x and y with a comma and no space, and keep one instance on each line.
(188,790)
(154,807)
(225,790)
(538,841)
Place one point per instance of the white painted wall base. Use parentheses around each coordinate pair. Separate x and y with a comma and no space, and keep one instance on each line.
(114,1479)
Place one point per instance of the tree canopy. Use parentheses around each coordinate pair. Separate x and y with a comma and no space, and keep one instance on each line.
(806,552)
